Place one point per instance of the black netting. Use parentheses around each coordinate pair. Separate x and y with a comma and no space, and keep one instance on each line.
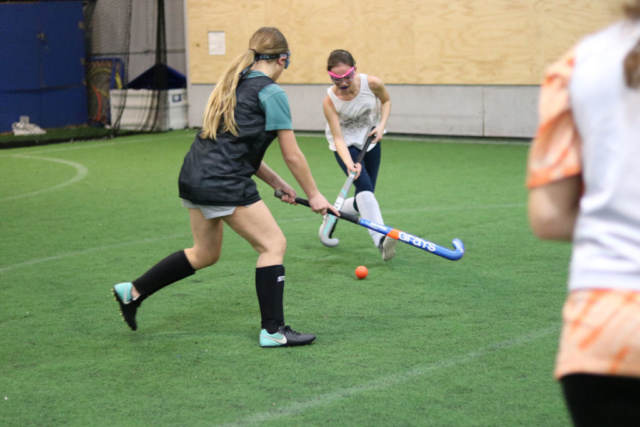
(108,39)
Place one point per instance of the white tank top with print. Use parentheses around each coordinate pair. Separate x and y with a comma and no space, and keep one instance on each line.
(357,116)
(606,250)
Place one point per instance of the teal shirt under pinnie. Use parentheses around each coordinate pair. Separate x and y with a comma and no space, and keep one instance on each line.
(275,104)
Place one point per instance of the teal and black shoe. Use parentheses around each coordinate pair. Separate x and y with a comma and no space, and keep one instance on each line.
(285,337)
(128,306)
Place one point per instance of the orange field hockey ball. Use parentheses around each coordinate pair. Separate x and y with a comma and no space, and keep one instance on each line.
(361,272)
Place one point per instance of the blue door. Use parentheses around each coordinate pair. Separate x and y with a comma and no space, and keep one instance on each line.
(42,53)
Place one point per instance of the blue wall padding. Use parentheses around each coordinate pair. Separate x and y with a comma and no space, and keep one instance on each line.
(19,47)
(16,104)
(54,106)
(63,48)
(41,64)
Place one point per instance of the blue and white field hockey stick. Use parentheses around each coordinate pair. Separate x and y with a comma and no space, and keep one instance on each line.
(394,233)
(329,220)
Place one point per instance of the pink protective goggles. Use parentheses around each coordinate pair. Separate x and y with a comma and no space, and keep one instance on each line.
(346,76)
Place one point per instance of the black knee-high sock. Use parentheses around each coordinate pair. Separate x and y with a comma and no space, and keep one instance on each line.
(270,290)
(171,269)
(602,400)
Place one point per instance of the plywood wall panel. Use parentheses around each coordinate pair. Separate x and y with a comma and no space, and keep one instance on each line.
(403,41)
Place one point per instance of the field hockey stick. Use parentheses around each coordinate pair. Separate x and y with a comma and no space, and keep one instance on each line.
(329,221)
(402,236)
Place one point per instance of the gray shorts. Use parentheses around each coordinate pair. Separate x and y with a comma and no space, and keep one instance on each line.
(210,212)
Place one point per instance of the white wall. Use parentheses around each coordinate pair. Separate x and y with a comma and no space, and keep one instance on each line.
(491,111)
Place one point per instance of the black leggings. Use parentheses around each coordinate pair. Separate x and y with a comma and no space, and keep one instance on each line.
(602,400)
(370,167)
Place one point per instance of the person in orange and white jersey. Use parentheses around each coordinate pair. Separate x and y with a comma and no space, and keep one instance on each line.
(583,178)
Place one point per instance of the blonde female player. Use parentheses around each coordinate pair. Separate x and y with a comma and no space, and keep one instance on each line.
(354,104)
(245,113)
(584,186)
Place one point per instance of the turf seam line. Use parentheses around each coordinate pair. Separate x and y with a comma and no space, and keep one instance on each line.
(392,380)
(301,134)
(449,208)
(82,174)
(174,236)
(434,140)
(89,251)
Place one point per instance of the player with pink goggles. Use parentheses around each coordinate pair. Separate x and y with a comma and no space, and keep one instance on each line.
(345,77)
(357,106)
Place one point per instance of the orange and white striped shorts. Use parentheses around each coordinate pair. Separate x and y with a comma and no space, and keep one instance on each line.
(600,334)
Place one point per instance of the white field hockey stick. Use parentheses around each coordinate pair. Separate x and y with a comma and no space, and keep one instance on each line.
(330,221)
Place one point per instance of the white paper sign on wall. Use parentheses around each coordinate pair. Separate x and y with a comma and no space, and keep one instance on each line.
(216,43)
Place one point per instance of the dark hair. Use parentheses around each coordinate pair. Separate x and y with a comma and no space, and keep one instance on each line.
(340,56)
(632,60)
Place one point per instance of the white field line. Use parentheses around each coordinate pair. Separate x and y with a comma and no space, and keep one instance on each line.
(82,173)
(73,254)
(391,380)
(36,261)
(81,145)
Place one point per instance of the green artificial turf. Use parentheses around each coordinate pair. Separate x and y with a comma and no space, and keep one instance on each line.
(422,341)
(9,140)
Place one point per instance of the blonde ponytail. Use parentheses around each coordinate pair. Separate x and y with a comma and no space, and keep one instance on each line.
(222,101)
(219,113)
